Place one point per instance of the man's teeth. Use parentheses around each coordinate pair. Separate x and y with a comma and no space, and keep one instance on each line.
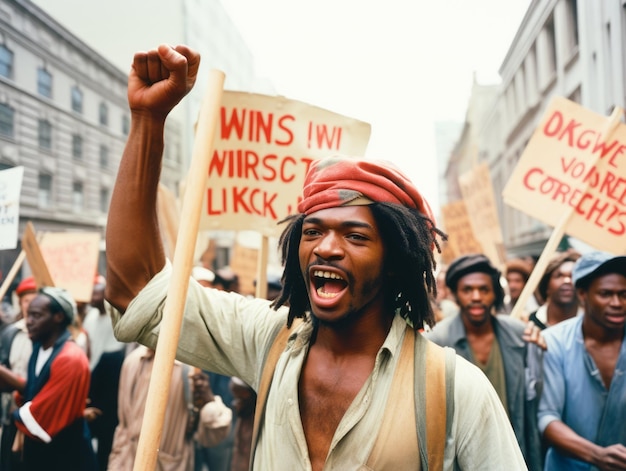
(326,274)
(323,294)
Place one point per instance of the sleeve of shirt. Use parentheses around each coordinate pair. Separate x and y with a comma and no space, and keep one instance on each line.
(215,422)
(60,402)
(552,398)
(479,419)
(222,332)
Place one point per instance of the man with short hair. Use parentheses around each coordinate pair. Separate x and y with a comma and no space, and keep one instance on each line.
(583,405)
(51,405)
(491,341)
(557,288)
(358,270)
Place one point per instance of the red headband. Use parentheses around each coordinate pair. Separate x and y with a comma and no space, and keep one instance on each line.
(338,181)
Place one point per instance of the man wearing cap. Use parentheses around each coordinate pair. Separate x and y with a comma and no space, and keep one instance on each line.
(491,341)
(358,270)
(51,405)
(557,288)
(583,405)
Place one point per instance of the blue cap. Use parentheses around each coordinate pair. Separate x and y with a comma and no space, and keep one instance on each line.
(597,263)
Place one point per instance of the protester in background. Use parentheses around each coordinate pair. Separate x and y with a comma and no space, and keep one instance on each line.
(26,290)
(15,351)
(359,267)
(517,272)
(492,342)
(218,456)
(244,403)
(51,405)
(583,405)
(105,362)
(192,413)
(557,288)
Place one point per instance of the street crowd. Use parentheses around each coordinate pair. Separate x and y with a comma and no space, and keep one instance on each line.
(341,367)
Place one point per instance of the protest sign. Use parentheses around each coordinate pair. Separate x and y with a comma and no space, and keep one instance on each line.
(10,188)
(574,170)
(461,238)
(72,259)
(37,264)
(477,191)
(262,151)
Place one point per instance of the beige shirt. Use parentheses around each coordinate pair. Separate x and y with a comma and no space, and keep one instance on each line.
(176,452)
(241,332)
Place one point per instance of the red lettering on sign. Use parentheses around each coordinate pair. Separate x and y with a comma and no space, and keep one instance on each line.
(575,136)
(255,126)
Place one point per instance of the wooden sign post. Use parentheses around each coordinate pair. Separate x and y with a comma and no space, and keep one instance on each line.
(158,391)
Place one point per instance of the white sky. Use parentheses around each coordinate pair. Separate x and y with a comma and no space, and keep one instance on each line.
(400,65)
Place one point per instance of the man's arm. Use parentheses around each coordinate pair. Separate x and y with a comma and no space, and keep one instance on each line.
(158,80)
(569,442)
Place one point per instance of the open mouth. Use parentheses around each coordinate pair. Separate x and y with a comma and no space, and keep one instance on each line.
(328,284)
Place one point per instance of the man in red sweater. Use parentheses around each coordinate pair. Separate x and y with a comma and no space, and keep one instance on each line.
(51,405)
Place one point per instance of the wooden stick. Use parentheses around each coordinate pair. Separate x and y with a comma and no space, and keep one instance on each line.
(30,244)
(154,417)
(557,233)
(12,272)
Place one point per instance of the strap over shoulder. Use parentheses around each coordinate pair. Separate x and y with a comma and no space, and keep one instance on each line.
(276,349)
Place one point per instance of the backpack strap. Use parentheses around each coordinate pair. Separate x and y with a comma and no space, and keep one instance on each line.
(395,443)
(276,349)
(434,379)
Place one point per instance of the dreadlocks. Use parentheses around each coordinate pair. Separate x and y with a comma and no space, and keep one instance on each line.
(408,237)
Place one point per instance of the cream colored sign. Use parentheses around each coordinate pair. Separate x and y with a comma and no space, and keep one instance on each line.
(72,259)
(461,238)
(575,163)
(264,146)
(478,195)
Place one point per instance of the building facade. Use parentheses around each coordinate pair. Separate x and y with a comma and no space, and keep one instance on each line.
(63,108)
(570,48)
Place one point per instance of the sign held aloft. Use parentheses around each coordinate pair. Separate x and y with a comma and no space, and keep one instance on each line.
(575,164)
(262,150)
(10,188)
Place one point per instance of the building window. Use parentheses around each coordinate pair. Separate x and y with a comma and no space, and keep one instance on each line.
(104,200)
(572,24)
(125,125)
(44,82)
(104,156)
(104,114)
(77,197)
(77,99)
(44,194)
(7,117)
(6,61)
(45,134)
(77,147)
